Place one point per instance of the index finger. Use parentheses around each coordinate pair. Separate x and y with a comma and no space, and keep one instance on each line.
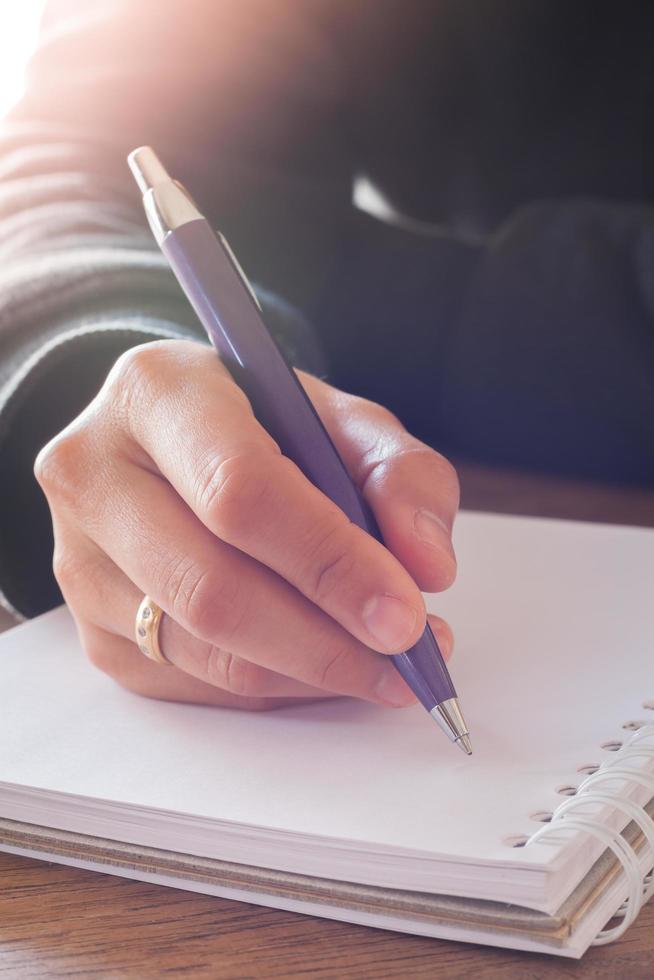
(412,489)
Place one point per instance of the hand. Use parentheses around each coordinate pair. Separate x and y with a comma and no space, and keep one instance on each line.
(167,485)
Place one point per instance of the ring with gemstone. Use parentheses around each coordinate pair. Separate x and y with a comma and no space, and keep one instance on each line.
(146,630)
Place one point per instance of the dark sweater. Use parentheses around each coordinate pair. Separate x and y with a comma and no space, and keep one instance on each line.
(508,319)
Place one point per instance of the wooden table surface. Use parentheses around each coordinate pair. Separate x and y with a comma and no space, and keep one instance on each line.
(61,922)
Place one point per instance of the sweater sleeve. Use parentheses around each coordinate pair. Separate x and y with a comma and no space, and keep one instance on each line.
(79,284)
(80,278)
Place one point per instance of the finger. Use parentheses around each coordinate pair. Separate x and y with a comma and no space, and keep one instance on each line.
(119,658)
(99,593)
(412,489)
(104,609)
(200,432)
(222,596)
(443,633)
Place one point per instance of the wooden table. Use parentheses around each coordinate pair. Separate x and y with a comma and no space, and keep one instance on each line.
(61,922)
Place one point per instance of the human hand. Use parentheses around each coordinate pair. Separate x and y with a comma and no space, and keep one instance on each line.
(167,485)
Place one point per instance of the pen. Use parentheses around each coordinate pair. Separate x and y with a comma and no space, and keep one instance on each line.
(219,292)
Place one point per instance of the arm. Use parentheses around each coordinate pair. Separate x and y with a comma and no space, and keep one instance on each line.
(81,281)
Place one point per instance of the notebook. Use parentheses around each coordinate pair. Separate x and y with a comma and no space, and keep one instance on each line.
(351,811)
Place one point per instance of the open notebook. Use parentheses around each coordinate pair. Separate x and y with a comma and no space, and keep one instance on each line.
(351,811)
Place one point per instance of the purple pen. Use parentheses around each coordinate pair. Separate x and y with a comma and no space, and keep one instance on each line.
(219,292)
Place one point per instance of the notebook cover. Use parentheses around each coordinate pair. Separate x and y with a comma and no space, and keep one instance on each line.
(494,916)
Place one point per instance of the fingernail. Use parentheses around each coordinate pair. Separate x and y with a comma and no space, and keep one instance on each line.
(392,690)
(389,621)
(433,531)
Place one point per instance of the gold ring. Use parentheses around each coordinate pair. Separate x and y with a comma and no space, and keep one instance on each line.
(146,630)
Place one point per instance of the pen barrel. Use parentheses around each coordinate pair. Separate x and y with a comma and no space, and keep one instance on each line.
(221,297)
(236,328)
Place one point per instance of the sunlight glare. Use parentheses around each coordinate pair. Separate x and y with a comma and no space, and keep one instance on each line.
(18,30)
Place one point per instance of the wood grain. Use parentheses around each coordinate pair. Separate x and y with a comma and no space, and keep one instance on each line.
(62,922)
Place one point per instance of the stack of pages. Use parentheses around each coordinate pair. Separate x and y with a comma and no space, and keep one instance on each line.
(350,811)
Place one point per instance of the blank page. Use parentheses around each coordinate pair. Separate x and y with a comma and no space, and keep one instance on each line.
(554,624)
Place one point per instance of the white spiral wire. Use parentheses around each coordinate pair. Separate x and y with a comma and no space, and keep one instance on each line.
(563,824)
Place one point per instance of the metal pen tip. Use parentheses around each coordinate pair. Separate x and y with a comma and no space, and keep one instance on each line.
(448,716)
(147,168)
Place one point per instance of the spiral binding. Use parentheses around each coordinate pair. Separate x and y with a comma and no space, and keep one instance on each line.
(566,820)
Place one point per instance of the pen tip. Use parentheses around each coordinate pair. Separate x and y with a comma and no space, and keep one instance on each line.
(449,718)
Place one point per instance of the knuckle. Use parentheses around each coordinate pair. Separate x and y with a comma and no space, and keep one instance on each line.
(396,464)
(332,668)
(141,361)
(378,463)
(383,417)
(232,492)
(208,605)
(80,575)
(233,674)
(136,376)
(333,573)
(386,464)
(60,466)
(450,478)
(331,562)
(67,568)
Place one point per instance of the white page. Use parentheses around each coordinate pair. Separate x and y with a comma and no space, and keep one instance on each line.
(554,624)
